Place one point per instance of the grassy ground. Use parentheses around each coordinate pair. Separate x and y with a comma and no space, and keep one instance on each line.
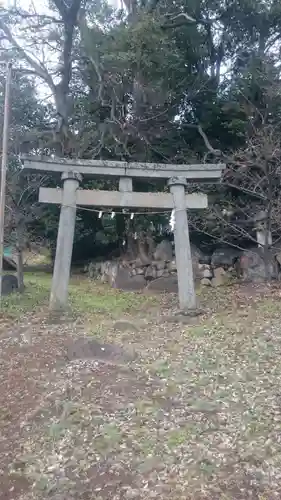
(193,413)
(84,297)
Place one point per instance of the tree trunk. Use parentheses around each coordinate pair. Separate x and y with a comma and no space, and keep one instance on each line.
(19,257)
(131,249)
(143,250)
(20,269)
(120,225)
(150,244)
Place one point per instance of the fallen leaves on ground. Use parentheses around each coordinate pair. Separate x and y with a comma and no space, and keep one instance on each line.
(195,415)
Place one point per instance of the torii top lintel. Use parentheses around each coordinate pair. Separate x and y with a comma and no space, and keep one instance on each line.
(197,172)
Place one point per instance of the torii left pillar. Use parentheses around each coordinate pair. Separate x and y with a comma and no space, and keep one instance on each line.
(61,274)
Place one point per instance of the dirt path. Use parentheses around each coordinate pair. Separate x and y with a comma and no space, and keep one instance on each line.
(38,384)
(30,351)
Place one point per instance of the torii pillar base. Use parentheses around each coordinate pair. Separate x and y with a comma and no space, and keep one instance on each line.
(186,290)
(61,273)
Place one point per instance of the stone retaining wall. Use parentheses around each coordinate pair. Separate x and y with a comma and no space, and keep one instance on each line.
(223,267)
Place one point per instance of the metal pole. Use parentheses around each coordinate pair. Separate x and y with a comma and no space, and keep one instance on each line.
(5,144)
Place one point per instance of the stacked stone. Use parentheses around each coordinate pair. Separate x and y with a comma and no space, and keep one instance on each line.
(219,268)
(225,266)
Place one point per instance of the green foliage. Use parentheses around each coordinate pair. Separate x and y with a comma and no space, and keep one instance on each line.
(142,81)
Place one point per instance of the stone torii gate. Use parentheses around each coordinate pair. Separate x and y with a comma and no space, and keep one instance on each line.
(70,196)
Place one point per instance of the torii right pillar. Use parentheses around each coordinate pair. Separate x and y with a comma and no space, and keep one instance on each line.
(186,289)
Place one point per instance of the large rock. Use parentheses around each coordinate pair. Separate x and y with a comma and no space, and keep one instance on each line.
(172,266)
(138,270)
(253,268)
(109,271)
(9,284)
(221,277)
(205,259)
(159,264)
(196,256)
(162,272)
(165,284)
(94,270)
(206,282)
(225,256)
(164,251)
(278,258)
(207,272)
(124,281)
(151,273)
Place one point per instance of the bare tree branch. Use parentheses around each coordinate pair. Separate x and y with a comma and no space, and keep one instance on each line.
(210,148)
(62,8)
(185,16)
(38,68)
(178,20)
(216,152)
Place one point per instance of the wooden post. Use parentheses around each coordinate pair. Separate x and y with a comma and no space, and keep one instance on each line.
(187,297)
(59,291)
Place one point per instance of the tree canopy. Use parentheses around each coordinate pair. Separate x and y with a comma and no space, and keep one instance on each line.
(151,81)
